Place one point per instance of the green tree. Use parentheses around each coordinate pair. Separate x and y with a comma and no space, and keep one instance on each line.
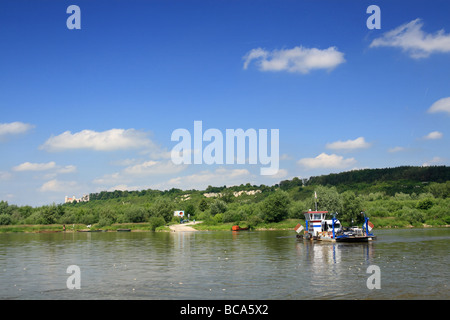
(439,190)
(164,208)
(4,207)
(203,205)
(156,222)
(134,214)
(189,210)
(296,210)
(5,219)
(275,207)
(351,207)
(227,195)
(328,199)
(424,204)
(231,216)
(218,206)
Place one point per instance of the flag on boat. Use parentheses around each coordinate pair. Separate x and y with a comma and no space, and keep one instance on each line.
(298,228)
(315,194)
(369,225)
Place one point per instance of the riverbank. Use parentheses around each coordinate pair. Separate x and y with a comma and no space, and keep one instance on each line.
(134,227)
(288,224)
(184,227)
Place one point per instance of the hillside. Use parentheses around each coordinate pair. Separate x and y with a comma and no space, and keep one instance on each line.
(399,196)
(405,179)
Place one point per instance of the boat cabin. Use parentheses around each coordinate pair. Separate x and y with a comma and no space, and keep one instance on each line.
(316,223)
(327,225)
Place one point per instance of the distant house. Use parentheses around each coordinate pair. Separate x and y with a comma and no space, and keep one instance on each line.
(84,198)
(235,193)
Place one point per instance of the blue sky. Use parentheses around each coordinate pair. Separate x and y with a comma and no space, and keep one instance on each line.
(93,109)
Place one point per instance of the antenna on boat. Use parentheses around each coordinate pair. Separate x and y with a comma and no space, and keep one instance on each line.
(315,199)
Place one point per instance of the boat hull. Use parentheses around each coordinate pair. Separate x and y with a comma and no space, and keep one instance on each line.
(355,239)
(237,228)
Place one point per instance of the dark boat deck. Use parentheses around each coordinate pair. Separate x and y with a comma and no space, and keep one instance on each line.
(355,238)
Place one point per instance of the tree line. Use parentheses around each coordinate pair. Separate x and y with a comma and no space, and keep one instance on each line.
(407,202)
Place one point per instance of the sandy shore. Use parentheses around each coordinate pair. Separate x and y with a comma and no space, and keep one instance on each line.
(183,227)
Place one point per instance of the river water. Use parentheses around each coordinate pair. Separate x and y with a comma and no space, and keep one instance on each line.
(413,264)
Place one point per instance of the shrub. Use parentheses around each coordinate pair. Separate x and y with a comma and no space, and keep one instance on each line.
(134,215)
(328,199)
(156,222)
(296,210)
(162,207)
(218,218)
(254,220)
(378,211)
(231,216)
(103,222)
(275,207)
(218,206)
(203,205)
(412,215)
(5,219)
(36,218)
(67,218)
(88,219)
(425,204)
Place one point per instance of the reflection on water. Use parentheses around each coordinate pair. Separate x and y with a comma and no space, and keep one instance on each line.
(223,265)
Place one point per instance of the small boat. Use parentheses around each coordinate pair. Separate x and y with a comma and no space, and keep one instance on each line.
(238,228)
(319,228)
(123,230)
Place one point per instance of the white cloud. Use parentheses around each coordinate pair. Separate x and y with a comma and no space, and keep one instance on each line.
(296,60)
(114,139)
(135,172)
(28,166)
(282,173)
(154,167)
(433,135)
(124,187)
(200,181)
(58,186)
(220,176)
(14,128)
(4,175)
(412,39)
(433,162)
(442,105)
(358,143)
(396,149)
(108,179)
(324,160)
(67,169)
(285,156)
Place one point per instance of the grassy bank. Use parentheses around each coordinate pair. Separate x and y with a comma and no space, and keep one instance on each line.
(288,224)
(135,227)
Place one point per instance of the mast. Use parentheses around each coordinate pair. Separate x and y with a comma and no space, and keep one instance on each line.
(315,199)
(333,220)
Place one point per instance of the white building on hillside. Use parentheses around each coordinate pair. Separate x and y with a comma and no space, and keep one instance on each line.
(84,198)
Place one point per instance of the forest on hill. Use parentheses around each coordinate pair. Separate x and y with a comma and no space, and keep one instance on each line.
(391,197)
